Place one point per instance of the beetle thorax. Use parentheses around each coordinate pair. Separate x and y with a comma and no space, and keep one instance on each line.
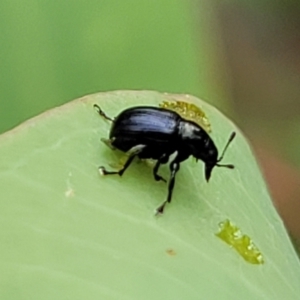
(198,142)
(189,130)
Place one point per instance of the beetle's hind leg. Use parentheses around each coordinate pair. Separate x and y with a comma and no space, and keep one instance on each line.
(102,113)
(108,143)
(131,154)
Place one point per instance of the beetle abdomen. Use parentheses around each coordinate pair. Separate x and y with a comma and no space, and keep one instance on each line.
(149,126)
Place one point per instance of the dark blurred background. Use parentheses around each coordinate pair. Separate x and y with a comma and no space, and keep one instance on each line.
(242,56)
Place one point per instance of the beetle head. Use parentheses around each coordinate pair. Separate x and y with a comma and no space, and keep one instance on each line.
(211,158)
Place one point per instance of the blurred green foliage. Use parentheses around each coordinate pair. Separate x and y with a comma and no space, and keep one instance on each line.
(54,51)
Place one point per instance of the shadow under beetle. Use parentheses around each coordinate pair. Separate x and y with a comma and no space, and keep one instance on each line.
(157,133)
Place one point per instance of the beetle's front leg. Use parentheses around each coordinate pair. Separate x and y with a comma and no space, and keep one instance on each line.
(132,153)
(174,167)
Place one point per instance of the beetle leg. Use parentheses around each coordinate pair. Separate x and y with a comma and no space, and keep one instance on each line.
(174,167)
(157,177)
(162,160)
(132,153)
(108,143)
(102,113)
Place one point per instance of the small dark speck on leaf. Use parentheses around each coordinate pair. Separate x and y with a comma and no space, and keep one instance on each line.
(171,252)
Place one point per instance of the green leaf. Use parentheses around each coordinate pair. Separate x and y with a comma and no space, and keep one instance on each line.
(68,233)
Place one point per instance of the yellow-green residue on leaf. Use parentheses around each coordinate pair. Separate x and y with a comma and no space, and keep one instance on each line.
(242,243)
(188,111)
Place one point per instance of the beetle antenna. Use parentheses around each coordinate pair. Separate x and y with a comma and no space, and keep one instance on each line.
(226,166)
(102,113)
(232,136)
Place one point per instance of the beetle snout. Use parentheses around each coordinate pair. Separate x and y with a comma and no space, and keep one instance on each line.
(208,170)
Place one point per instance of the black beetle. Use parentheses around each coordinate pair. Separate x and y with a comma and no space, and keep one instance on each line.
(157,133)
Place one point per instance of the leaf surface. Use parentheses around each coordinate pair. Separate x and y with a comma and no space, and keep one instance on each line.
(68,233)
